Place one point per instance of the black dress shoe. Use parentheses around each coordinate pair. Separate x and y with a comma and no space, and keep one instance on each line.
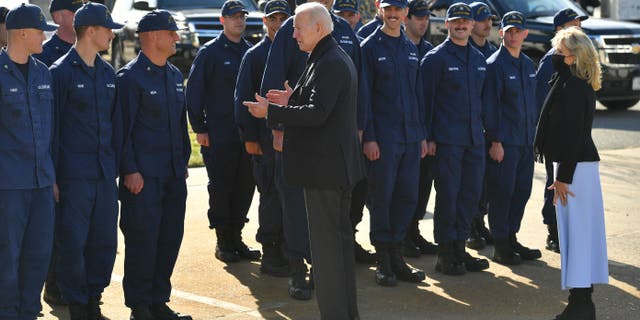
(476,241)
(242,250)
(447,263)
(162,312)
(553,244)
(425,246)
(299,288)
(483,231)
(363,256)
(225,250)
(400,268)
(524,252)
(384,272)
(53,296)
(273,261)
(409,249)
(503,253)
(141,312)
(471,264)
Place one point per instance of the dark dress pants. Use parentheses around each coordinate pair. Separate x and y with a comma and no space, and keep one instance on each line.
(332,252)
(548,209)
(270,208)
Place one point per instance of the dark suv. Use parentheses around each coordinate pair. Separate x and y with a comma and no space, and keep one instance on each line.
(200,20)
(618,43)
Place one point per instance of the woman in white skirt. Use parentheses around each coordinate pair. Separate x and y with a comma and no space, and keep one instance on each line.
(564,137)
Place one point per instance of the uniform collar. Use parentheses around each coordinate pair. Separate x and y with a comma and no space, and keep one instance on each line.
(230,44)
(9,66)
(504,54)
(147,65)
(76,60)
(59,44)
(460,52)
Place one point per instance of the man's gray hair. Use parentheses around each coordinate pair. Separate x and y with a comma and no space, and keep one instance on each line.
(316,13)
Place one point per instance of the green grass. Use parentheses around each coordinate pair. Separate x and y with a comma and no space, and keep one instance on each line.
(196,157)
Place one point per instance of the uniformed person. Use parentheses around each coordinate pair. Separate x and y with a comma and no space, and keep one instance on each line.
(62,12)
(231,185)
(348,10)
(259,143)
(480,235)
(28,178)
(153,168)
(372,25)
(510,118)
(563,19)
(393,139)
(286,62)
(453,74)
(3,26)
(416,25)
(88,137)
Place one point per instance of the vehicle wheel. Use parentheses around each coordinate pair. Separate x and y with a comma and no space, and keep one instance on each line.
(619,104)
(117,56)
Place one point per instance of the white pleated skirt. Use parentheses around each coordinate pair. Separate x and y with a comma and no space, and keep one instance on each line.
(581,231)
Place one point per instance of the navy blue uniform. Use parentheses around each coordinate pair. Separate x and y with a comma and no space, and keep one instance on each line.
(156,144)
(511,115)
(286,62)
(53,49)
(368,29)
(393,101)
(255,130)
(487,50)
(26,196)
(453,77)
(231,185)
(89,133)
(543,76)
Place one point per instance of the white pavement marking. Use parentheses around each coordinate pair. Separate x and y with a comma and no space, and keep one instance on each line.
(205,300)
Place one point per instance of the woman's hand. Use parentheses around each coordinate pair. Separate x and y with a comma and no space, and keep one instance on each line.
(561,190)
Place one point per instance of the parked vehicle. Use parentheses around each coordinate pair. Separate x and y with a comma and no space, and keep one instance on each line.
(618,43)
(200,20)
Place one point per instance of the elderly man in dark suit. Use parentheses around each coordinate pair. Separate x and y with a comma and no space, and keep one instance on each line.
(322,154)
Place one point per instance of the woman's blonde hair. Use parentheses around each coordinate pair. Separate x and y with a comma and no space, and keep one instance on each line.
(587,65)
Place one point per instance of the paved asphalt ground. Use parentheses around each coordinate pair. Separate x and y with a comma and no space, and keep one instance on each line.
(209,289)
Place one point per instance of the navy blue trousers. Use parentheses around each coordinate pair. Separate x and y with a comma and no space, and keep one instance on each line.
(548,209)
(509,188)
(294,216)
(86,237)
(424,187)
(270,208)
(458,178)
(153,224)
(231,184)
(393,191)
(26,238)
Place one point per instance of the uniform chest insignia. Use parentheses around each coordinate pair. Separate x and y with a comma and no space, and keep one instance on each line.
(512,77)
(13,90)
(226,63)
(382,58)
(111,85)
(44,87)
(532,75)
(80,85)
(482,69)
(153,92)
(454,69)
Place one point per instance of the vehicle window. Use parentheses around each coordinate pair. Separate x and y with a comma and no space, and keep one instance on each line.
(537,8)
(194,4)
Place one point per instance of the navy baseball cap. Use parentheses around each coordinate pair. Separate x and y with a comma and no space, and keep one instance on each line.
(276,6)
(95,14)
(28,16)
(3,14)
(345,5)
(566,15)
(231,7)
(481,11)
(395,3)
(459,10)
(71,5)
(419,8)
(513,19)
(157,20)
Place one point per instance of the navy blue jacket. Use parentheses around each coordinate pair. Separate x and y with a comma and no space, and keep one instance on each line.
(453,77)
(249,77)
(88,119)
(212,82)
(511,109)
(423,47)
(53,49)
(487,50)
(391,94)
(26,126)
(156,142)
(368,29)
(286,61)
(543,76)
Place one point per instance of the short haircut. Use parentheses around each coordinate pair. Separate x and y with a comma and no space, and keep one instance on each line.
(80,31)
(317,13)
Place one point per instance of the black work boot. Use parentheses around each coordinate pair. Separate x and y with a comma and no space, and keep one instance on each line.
(384,273)
(524,252)
(553,244)
(363,256)
(161,311)
(475,240)
(482,229)
(580,305)
(447,262)
(273,262)
(242,250)
(409,249)
(472,264)
(141,312)
(78,311)
(52,294)
(93,309)
(400,268)
(503,253)
(424,245)
(299,288)
(225,250)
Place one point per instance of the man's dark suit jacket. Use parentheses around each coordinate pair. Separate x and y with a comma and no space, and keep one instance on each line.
(321,146)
